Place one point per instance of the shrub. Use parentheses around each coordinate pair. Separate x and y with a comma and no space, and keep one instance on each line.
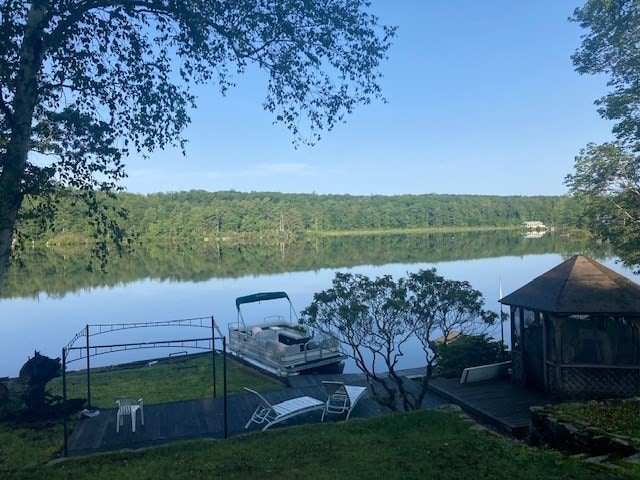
(466,351)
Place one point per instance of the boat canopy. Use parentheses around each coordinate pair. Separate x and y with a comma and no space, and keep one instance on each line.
(258,297)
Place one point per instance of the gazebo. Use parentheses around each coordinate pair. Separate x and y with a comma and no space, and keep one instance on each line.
(575,332)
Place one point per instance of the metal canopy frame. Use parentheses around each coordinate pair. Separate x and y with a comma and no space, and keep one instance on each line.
(87,351)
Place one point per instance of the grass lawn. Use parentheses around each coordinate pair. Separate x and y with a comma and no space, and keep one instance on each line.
(621,417)
(187,378)
(183,378)
(425,444)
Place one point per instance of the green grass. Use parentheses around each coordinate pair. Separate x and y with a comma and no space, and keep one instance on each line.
(28,444)
(165,381)
(425,444)
(621,417)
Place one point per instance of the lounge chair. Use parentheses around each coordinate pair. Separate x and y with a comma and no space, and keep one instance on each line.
(342,398)
(272,414)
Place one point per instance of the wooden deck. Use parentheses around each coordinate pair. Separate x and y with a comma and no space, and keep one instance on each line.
(201,418)
(430,400)
(494,401)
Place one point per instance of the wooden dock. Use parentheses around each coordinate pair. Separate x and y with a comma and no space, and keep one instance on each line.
(494,401)
(191,419)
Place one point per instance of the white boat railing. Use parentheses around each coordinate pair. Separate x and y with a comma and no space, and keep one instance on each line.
(274,354)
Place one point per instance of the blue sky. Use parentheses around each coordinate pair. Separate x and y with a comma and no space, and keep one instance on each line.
(482,99)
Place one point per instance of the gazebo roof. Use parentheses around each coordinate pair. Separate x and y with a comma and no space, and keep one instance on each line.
(579,285)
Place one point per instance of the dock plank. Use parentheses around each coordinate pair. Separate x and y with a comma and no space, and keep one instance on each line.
(495,401)
(199,418)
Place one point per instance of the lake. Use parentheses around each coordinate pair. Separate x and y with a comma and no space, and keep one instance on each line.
(50,296)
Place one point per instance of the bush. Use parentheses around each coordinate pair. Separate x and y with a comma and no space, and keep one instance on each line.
(4,399)
(30,387)
(466,351)
(34,376)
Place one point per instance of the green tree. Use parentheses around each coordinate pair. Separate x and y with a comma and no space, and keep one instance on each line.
(376,319)
(610,47)
(607,181)
(606,176)
(83,84)
(467,351)
(444,307)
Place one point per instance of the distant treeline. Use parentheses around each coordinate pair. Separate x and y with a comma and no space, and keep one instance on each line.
(201,215)
(57,271)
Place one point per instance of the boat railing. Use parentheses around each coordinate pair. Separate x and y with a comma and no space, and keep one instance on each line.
(278,355)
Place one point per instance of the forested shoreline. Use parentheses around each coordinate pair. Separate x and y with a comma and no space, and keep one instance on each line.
(235,216)
(58,270)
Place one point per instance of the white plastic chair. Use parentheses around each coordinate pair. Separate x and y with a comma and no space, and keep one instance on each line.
(342,398)
(128,406)
(272,414)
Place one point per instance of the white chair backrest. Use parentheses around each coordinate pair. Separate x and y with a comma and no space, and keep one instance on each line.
(262,399)
(334,387)
(124,404)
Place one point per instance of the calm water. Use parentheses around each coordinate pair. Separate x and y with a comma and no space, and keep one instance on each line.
(47,321)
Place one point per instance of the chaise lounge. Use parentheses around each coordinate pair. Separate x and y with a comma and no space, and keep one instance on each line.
(342,398)
(272,414)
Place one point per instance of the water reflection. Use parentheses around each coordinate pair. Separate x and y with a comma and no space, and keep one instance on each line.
(51,296)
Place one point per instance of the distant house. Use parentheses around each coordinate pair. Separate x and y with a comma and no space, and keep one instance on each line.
(535,225)
(575,332)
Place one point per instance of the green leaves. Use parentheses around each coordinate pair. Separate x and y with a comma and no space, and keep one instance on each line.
(607,182)
(87,83)
(606,176)
(377,319)
(610,46)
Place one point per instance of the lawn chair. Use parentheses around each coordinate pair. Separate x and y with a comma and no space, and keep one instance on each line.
(128,406)
(342,398)
(272,414)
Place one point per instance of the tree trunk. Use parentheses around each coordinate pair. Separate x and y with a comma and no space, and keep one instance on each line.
(14,162)
(10,202)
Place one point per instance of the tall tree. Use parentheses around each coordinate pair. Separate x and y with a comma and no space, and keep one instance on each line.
(610,47)
(84,83)
(607,183)
(606,176)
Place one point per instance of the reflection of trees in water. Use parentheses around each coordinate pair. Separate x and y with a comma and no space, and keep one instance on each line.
(58,272)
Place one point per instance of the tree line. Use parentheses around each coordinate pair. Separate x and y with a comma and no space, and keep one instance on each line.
(206,216)
(60,270)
